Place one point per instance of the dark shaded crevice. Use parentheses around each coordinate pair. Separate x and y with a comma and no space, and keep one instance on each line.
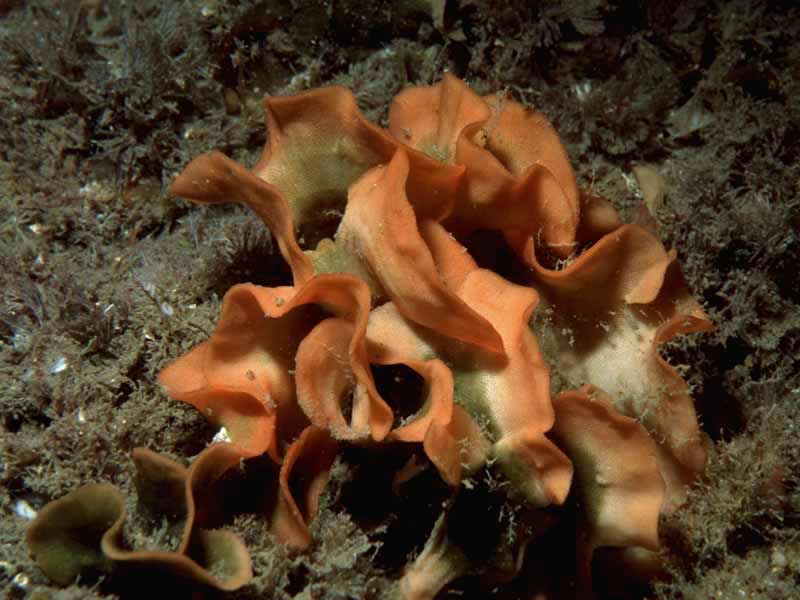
(491,251)
(256,259)
(398,515)
(402,389)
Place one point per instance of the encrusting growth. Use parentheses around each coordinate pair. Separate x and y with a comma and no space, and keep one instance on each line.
(378,229)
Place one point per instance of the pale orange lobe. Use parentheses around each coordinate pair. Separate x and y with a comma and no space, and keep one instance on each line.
(203,498)
(440,562)
(332,371)
(248,422)
(618,482)
(303,476)
(509,391)
(437,405)
(598,218)
(521,137)
(517,174)
(432,118)
(508,307)
(457,446)
(242,378)
(325,379)
(536,468)
(450,437)
(214,178)
(329,376)
(617,473)
(391,339)
(319,144)
(611,308)
(380,226)
(517,391)
(519,383)
(628,265)
(532,201)
(452,260)
(339,344)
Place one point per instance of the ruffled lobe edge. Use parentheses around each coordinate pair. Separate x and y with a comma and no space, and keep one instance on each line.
(84,529)
(247,375)
(517,173)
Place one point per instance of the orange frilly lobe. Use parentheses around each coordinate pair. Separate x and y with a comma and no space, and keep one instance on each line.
(555,379)
(377,211)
